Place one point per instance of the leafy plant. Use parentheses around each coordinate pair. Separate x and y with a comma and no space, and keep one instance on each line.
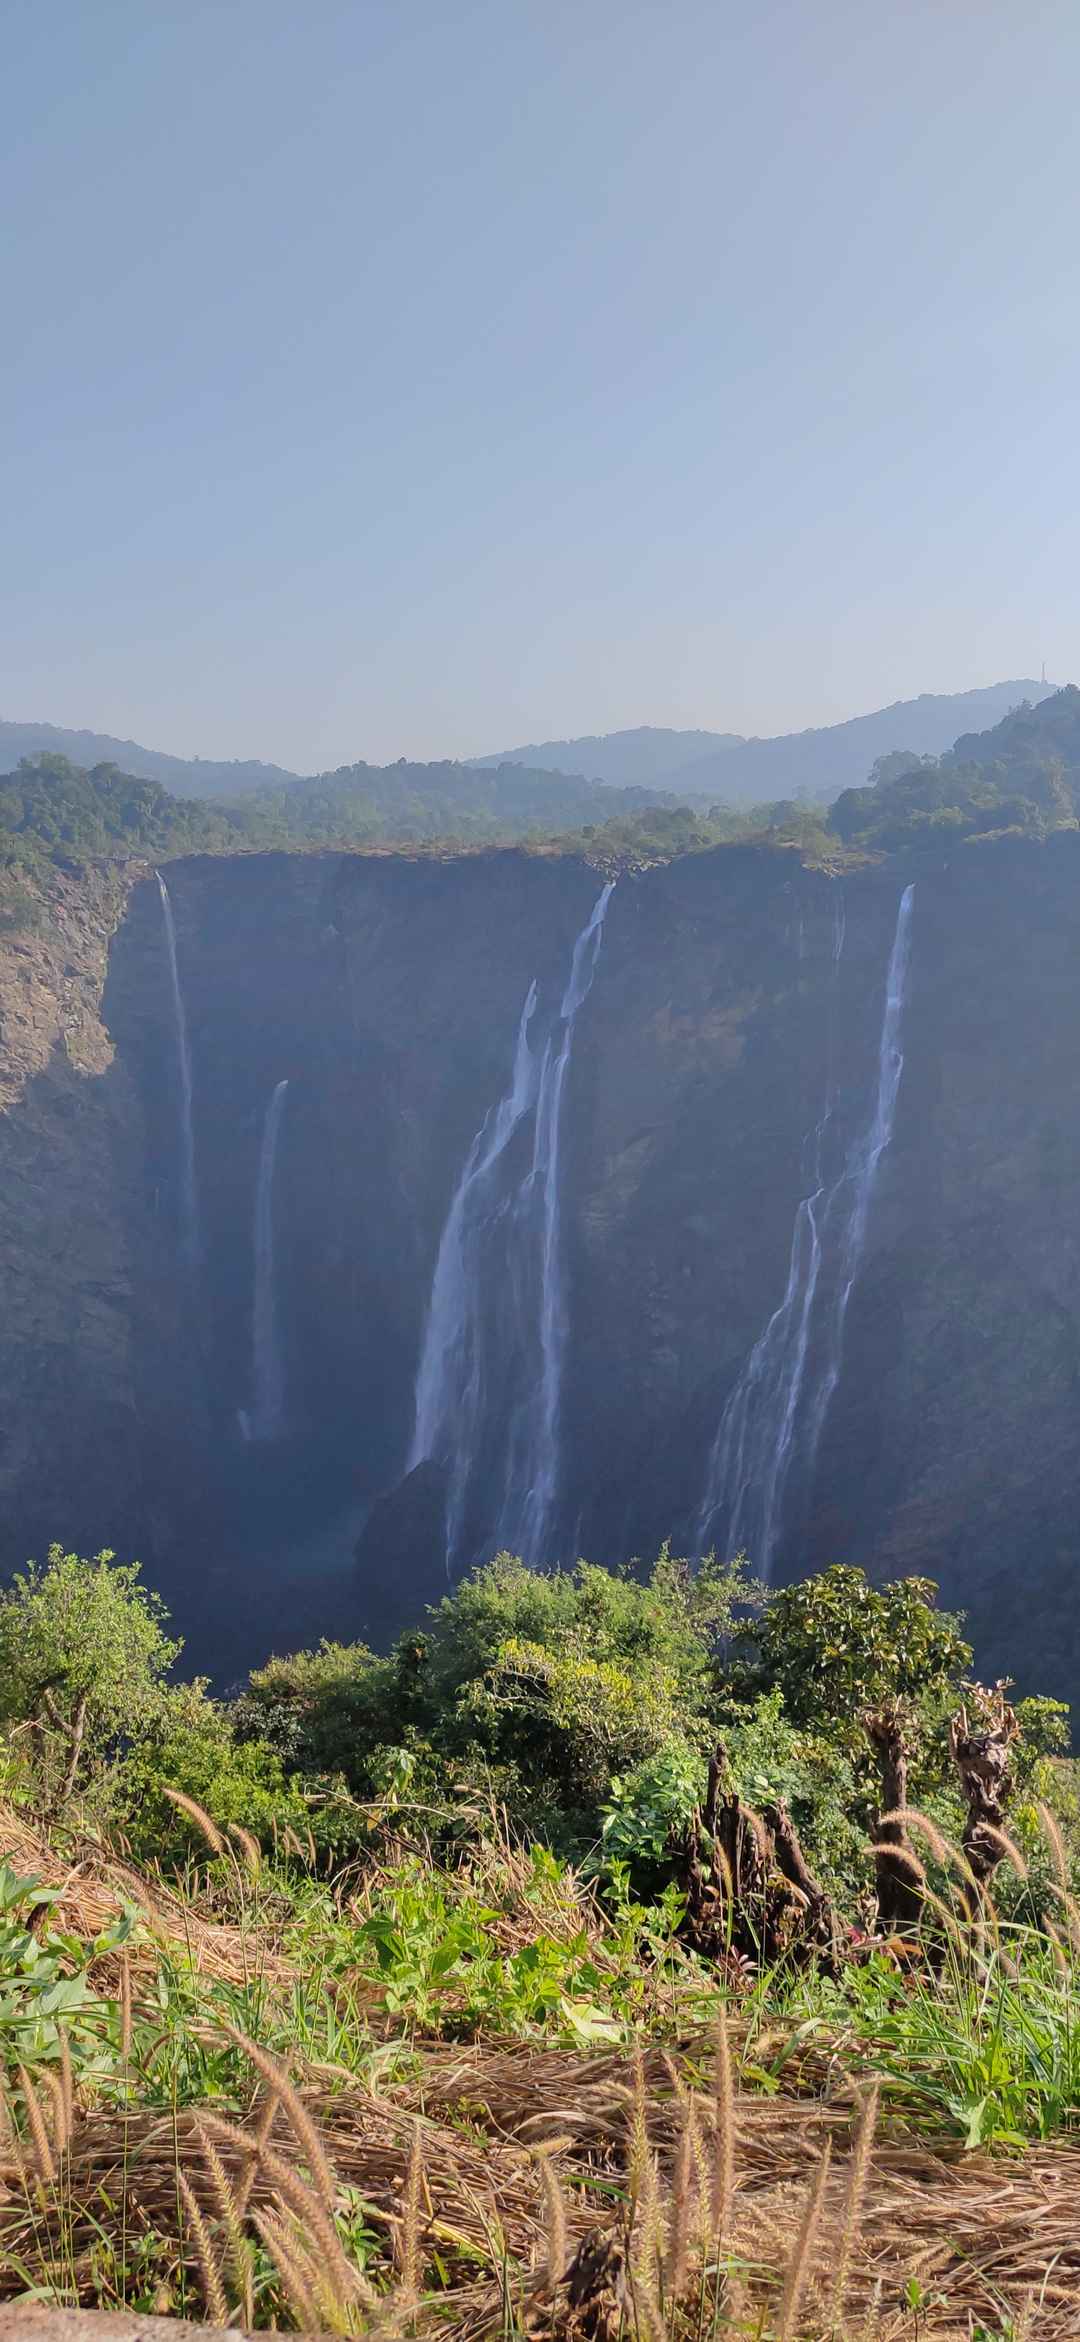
(45,1991)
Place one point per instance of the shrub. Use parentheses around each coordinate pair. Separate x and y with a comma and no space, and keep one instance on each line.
(83,1659)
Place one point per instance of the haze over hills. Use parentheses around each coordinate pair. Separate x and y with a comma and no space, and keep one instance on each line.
(646,753)
(816,763)
(183,776)
(1021,776)
(715,766)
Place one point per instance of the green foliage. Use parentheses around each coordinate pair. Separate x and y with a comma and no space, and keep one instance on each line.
(595,1675)
(84,1655)
(51,807)
(1020,778)
(44,1986)
(767,1758)
(323,1711)
(189,1744)
(989,2052)
(835,1647)
(648,1810)
(535,1688)
(770,1758)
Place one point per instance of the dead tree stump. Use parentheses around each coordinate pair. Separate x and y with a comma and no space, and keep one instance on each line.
(981,1743)
(897,1875)
(750,1893)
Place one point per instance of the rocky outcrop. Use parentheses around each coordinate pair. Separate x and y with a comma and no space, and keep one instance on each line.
(70,1128)
(388,990)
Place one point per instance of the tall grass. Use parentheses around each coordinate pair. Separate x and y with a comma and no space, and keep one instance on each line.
(410,2105)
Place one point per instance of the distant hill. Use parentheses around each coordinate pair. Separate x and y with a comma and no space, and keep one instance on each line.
(365,803)
(1022,778)
(707,767)
(816,764)
(649,754)
(51,807)
(185,776)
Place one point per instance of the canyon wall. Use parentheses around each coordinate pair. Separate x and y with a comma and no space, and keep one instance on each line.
(722,1031)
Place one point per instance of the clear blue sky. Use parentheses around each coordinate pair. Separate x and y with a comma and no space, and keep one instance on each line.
(412,376)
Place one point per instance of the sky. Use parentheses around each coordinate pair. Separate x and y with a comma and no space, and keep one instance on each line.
(422,377)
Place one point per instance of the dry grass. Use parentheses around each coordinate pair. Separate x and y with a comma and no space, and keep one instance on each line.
(824,2226)
(515,2189)
(95,1886)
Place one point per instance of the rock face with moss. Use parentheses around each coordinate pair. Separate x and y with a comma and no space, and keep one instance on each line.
(721,1028)
(71,1143)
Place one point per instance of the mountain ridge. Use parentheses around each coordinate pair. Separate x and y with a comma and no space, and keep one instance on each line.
(181,775)
(696,763)
(822,759)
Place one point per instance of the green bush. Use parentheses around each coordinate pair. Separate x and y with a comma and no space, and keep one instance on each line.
(83,1659)
(190,1746)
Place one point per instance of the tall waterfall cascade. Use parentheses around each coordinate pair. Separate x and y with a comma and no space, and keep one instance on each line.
(190,1237)
(265,1419)
(450,1384)
(532,1484)
(489,1384)
(776,1413)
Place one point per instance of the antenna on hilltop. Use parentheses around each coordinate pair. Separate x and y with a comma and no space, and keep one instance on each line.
(1044,671)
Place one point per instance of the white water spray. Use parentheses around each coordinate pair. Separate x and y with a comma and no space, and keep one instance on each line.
(860,1172)
(532,1485)
(488,1387)
(189,1202)
(450,1383)
(265,1419)
(760,1434)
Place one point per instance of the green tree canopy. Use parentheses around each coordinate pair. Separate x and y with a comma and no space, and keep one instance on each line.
(83,1654)
(836,1646)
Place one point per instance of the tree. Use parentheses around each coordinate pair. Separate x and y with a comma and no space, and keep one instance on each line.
(189,1744)
(551,1684)
(839,1648)
(83,1659)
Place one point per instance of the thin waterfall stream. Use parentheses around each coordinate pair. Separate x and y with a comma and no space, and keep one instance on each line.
(859,1178)
(488,1387)
(450,1383)
(773,1416)
(533,1478)
(265,1419)
(190,1238)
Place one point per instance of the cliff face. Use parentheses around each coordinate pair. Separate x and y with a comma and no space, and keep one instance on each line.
(722,1032)
(70,1128)
(720,1027)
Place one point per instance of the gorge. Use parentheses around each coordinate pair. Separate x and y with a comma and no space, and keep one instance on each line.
(362,1213)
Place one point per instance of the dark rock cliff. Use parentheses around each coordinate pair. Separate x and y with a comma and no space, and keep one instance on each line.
(387,990)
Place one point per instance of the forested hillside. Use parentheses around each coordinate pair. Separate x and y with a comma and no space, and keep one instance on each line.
(814,764)
(1022,778)
(53,807)
(187,776)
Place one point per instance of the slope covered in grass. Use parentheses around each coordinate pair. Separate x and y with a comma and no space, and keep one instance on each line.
(347,2111)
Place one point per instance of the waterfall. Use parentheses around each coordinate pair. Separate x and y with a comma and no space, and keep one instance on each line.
(752,1453)
(266,1417)
(189,1204)
(451,1386)
(488,1387)
(532,1483)
(860,1172)
(759,1435)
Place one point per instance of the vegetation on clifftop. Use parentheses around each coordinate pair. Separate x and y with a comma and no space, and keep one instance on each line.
(384,1997)
(1023,778)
